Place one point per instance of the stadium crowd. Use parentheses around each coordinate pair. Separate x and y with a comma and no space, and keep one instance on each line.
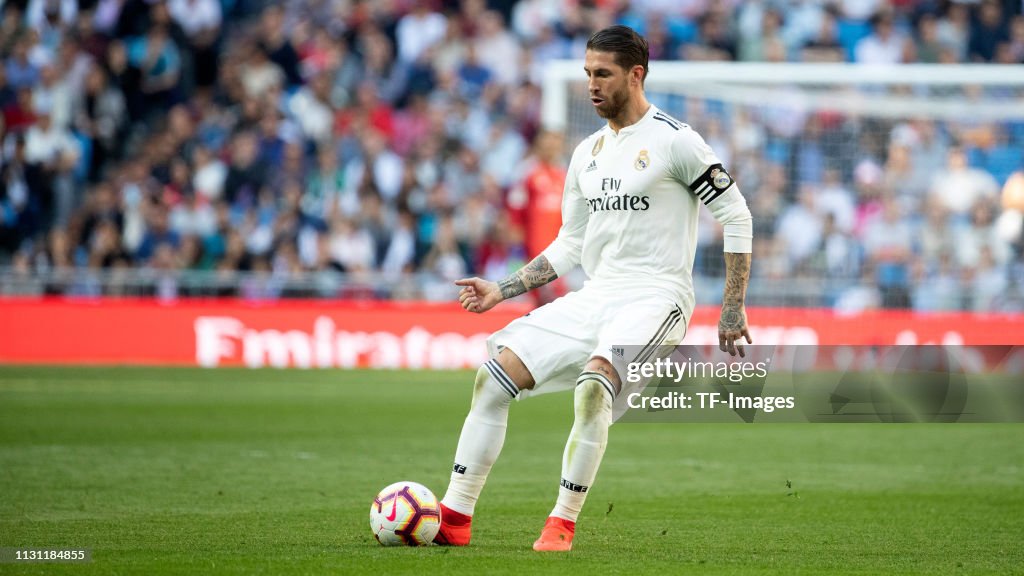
(384,138)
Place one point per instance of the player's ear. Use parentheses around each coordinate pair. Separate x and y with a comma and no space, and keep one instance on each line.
(636,75)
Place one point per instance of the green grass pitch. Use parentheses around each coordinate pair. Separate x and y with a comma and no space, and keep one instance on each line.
(180,471)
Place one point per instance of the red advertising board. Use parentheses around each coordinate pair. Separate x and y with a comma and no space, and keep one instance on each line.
(390,334)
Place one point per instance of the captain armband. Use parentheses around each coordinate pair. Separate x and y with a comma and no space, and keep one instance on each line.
(712,184)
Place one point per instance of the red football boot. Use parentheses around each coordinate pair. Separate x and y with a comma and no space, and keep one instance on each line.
(455,528)
(556,535)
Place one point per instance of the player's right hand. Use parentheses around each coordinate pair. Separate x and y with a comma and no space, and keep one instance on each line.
(478,295)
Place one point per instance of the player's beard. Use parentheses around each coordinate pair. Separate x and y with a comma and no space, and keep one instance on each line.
(614,103)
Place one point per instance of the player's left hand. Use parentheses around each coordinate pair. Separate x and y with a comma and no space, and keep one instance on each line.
(732,327)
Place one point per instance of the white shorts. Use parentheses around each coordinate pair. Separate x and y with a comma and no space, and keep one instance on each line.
(556,340)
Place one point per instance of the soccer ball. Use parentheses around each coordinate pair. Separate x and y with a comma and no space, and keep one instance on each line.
(405,513)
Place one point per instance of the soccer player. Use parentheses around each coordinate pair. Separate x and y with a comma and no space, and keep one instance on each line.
(629,216)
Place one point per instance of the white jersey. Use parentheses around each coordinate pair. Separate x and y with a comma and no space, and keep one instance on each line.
(630,208)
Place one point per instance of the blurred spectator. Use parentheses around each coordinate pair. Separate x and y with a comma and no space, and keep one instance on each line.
(835,200)
(980,235)
(933,238)
(7,94)
(929,46)
(101,208)
(860,10)
(12,26)
(158,239)
(987,32)
(351,247)
(713,42)
(497,49)
(369,112)
(532,17)
(209,174)
(201,22)
(105,249)
(21,211)
(401,249)
(312,110)
(259,73)
(376,166)
(19,114)
(823,45)
(840,251)
(954,28)
(502,252)
(326,195)
(928,146)
(884,45)
(888,243)
(100,114)
(56,257)
(380,68)
(445,260)
(959,185)
(246,176)
(193,216)
(1012,51)
(21,72)
(502,153)
(53,93)
(127,78)
(551,46)
(755,47)
(901,177)
(346,68)
(800,228)
(938,286)
(278,46)
(805,20)
(473,75)
(55,151)
(159,62)
(988,281)
(419,30)
(272,142)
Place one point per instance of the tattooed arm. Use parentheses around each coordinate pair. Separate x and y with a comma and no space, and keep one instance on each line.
(479,295)
(732,326)
(537,273)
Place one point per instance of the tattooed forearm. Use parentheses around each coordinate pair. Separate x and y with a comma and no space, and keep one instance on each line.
(537,273)
(737,274)
(511,287)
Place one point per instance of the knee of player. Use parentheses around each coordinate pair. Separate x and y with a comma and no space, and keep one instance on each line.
(493,385)
(593,400)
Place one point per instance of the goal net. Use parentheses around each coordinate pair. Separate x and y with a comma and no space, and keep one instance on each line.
(887,187)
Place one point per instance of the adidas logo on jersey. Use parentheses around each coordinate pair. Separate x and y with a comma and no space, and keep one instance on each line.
(592,167)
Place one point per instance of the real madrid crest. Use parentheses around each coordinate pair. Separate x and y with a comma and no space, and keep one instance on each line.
(642,160)
(720,179)
(597,146)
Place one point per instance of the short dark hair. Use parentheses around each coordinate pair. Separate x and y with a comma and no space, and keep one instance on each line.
(630,48)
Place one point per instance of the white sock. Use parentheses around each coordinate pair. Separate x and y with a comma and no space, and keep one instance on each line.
(482,436)
(586,444)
